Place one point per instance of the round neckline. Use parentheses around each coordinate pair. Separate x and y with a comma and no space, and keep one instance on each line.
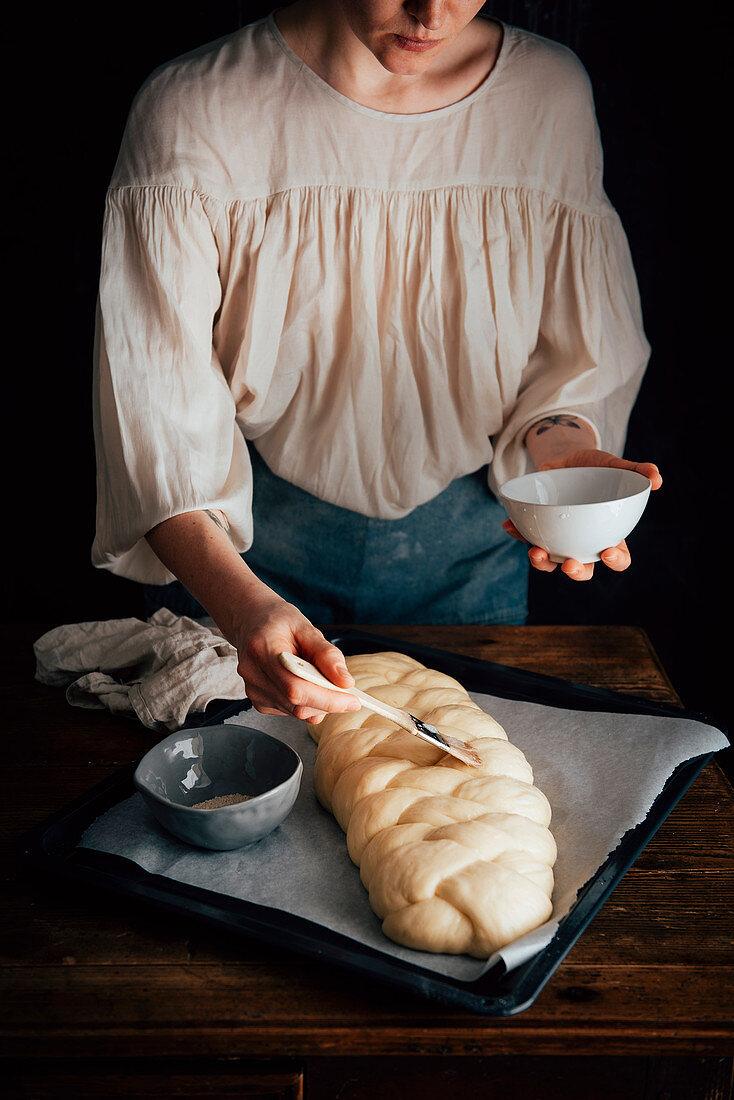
(393,116)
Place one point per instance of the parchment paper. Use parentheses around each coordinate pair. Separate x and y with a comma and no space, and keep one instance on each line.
(600,772)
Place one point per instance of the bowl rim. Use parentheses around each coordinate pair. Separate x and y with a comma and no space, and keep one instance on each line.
(589,504)
(269,793)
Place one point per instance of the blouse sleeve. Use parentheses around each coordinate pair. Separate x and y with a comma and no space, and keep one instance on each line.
(164,418)
(591,351)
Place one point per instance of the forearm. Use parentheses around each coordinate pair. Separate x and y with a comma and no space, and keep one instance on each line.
(198,549)
(556,437)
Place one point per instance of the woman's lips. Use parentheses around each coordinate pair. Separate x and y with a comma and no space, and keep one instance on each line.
(416,45)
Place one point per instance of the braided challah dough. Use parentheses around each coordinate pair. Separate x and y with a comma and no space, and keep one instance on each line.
(456,859)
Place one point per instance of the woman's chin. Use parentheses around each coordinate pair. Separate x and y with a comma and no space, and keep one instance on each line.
(404,62)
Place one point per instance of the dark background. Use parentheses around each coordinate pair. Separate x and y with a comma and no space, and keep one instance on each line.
(71,74)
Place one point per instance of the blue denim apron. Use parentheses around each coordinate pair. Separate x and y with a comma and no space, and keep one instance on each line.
(448,561)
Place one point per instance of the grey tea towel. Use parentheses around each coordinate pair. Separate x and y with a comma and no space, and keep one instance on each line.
(160,670)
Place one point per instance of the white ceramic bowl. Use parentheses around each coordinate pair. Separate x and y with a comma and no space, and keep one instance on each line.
(578,512)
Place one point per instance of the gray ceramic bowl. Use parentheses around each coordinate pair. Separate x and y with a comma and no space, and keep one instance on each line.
(194,766)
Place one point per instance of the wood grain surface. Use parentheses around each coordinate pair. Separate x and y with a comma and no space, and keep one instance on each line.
(85,975)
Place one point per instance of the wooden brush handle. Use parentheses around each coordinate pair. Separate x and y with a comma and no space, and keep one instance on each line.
(309,672)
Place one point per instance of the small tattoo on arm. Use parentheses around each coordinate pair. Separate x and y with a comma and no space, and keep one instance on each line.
(221,523)
(563,419)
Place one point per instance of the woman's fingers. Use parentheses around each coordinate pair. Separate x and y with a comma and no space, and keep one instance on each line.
(509,526)
(577,571)
(306,700)
(648,470)
(617,557)
(604,458)
(306,714)
(295,697)
(539,559)
(329,660)
(274,690)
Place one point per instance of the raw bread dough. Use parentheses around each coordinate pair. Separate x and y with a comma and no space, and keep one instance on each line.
(456,859)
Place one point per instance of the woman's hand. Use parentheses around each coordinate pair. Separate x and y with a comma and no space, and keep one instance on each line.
(198,548)
(616,558)
(271,626)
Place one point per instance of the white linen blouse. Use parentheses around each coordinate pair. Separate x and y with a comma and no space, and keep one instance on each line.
(383,302)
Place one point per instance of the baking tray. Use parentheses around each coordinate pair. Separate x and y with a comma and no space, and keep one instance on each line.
(52,847)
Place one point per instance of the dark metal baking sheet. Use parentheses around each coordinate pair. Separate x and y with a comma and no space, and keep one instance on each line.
(52,847)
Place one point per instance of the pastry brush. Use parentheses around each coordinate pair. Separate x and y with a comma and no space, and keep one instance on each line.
(402,718)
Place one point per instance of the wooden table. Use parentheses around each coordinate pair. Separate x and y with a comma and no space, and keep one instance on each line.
(101,997)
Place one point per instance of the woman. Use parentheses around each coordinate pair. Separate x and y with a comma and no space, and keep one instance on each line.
(358,270)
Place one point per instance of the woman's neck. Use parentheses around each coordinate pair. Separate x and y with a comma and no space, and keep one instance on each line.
(319,33)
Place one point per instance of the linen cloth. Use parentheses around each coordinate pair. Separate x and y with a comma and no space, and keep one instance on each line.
(159,671)
(382,302)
